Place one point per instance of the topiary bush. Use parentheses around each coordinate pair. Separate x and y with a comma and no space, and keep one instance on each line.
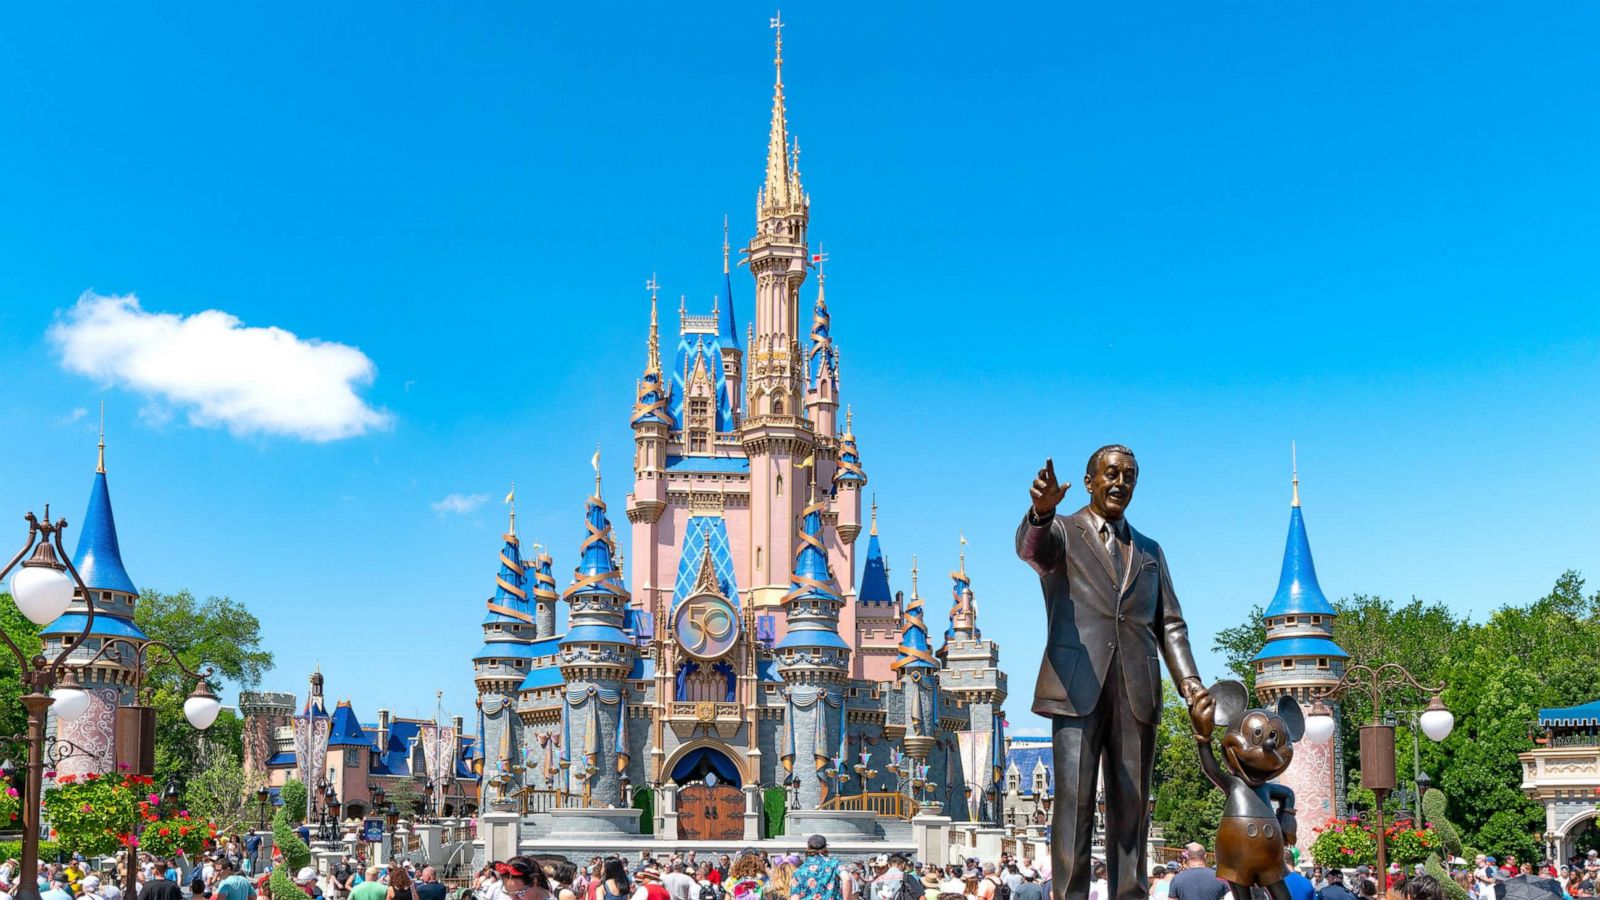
(1433,812)
(1436,870)
(295,855)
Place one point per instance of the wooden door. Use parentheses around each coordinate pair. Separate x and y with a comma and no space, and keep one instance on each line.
(710,813)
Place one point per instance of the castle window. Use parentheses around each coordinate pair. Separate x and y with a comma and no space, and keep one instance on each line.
(1260,668)
(697,442)
(352,759)
(1288,664)
(1322,662)
(777,407)
(1291,620)
(699,408)
(1316,620)
(780,486)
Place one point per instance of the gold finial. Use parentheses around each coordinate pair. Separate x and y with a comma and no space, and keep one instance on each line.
(913,576)
(777,25)
(849,418)
(1294,465)
(595,462)
(724,243)
(100,467)
(511,501)
(963,534)
(874,513)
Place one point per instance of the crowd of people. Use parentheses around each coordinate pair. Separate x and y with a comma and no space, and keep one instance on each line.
(225,873)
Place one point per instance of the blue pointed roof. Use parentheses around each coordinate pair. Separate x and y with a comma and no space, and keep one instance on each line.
(823,358)
(727,329)
(811,577)
(1298,646)
(1298,592)
(99,558)
(510,601)
(345,729)
(875,574)
(597,564)
(914,648)
(700,348)
(960,583)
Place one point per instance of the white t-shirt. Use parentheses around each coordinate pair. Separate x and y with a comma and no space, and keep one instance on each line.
(1097,890)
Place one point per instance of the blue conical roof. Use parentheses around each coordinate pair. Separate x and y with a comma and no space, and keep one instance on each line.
(510,603)
(1298,591)
(960,583)
(914,647)
(99,558)
(817,626)
(727,330)
(597,565)
(874,575)
(811,577)
(823,358)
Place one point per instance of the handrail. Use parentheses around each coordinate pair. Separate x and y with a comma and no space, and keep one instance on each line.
(883,803)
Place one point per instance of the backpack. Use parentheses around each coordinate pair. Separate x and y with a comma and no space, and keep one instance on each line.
(910,889)
(709,891)
(1002,891)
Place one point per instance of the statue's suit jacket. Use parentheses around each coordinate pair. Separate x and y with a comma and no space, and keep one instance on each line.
(1095,616)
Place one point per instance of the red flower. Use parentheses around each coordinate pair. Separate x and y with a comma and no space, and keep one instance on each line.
(165,832)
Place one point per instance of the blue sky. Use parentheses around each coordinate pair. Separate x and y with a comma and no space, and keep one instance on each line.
(1202,230)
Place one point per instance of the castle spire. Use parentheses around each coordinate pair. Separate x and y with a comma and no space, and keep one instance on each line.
(914,648)
(651,402)
(874,529)
(1294,479)
(727,328)
(777,184)
(875,572)
(511,501)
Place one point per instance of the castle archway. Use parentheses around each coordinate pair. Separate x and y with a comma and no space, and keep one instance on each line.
(693,761)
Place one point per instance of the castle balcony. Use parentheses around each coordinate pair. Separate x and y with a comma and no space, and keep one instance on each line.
(687,718)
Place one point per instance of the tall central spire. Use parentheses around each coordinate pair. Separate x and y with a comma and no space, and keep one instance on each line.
(777,188)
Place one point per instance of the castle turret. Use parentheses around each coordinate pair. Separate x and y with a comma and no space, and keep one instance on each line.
(875,622)
(108,680)
(813,661)
(728,333)
(544,594)
(918,674)
(596,656)
(822,366)
(775,433)
(971,672)
(509,628)
(1300,659)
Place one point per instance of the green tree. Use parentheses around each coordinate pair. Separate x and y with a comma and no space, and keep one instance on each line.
(295,855)
(405,798)
(1188,806)
(25,634)
(218,632)
(225,794)
(293,796)
(1239,645)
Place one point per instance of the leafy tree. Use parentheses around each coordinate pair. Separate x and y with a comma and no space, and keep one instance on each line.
(218,632)
(293,795)
(1239,645)
(225,794)
(1188,806)
(403,796)
(25,634)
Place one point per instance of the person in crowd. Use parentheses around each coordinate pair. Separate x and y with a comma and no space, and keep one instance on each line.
(232,885)
(614,882)
(951,882)
(89,888)
(428,887)
(1368,889)
(886,885)
(1423,887)
(1300,887)
(1029,888)
(780,879)
(564,881)
(819,877)
(649,886)
(747,877)
(1196,880)
(59,889)
(306,879)
(1335,889)
(520,879)
(370,888)
(1098,890)
(1160,884)
(157,886)
(970,885)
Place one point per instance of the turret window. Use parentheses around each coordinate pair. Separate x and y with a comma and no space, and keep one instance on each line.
(1291,620)
(697,442)
(1322,662)
(699,408)
(1316,620)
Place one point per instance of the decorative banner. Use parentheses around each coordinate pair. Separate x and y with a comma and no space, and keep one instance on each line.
(977,751)
(438,752)
(92,733)
(310,753)
(371,831)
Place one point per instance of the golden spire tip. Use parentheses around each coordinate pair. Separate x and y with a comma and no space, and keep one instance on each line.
(874,513)
(724,243)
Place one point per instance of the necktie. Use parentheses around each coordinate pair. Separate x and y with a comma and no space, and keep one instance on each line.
(1114,547)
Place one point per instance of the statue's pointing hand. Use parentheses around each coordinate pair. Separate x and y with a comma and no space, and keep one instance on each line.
(1203,716)
(1047,491)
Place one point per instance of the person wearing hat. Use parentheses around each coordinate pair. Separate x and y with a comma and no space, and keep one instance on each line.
(1335,889)
(820,877)
(649,884)
(58,888)
(520,879)
(886,886)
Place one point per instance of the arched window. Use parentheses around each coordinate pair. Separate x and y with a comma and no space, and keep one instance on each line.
(780,485)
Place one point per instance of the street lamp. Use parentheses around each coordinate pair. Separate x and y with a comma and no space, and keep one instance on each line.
(1377,738)
(263,800)
(42,590)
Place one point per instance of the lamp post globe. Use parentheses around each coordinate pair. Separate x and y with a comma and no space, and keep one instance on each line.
(69,700)
(1319,725)
(201,707)
(1437,721)
(41,590)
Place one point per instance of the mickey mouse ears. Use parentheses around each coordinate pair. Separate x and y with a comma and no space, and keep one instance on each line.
(1232,699)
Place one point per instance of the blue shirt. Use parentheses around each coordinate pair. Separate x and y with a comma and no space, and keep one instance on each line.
(1299,886)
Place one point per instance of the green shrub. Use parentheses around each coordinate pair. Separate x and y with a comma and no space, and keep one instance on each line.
(295,855)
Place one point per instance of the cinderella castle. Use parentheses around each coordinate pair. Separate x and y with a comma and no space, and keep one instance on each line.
(747,648)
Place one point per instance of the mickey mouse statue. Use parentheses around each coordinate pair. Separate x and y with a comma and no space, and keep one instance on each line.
(1257,746)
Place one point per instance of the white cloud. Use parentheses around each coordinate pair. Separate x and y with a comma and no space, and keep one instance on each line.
(77,414)
(459,504)
(250,380)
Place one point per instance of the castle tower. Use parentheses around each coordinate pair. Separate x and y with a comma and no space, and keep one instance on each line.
(877,622)
(108,680)
(971,672)
(596,657)
(822,368)
(813,661)
(509,628)
(728,333)
(918,674)
(544,594)
(775,434)
(264,713)
(1298,660)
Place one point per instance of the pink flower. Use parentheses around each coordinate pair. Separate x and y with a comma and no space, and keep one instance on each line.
(153,799)
(11,792)
(87,808)
(123,767)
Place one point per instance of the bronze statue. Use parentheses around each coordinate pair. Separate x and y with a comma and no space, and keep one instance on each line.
(1111,616)
(1258,746)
